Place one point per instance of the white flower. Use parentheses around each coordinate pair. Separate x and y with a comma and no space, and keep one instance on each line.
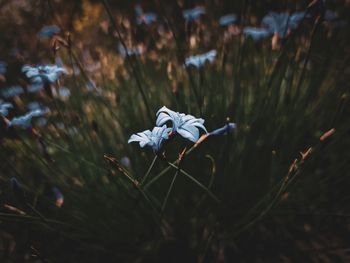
(199,60)
(184,124)
(152,138)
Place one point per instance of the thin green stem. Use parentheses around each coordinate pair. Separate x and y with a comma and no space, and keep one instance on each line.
(149,170)
(169,191)
(154,179)
(199,184)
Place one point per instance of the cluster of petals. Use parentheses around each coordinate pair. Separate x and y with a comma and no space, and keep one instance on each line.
(185,125)
(44,73)
(199,61)
(25,120)
(275,23)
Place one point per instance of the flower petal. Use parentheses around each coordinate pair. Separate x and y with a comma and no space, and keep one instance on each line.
(187,135)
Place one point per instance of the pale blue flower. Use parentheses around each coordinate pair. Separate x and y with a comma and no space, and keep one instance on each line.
(184,124)
(281,22)
(25,120)
(229,127)
(200,60)
(152,138)
(144,18)
(227,20)
(49,31)
(47,73)
(256,33)
(193,14)
(33,106)
(147,18)
(63,92)
(35,87)
(128,51)
(295,19)
(11,91)
(4,108)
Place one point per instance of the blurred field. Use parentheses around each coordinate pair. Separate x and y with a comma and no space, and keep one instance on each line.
(274,189)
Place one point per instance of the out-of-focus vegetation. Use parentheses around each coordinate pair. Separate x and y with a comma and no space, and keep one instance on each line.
(272,189)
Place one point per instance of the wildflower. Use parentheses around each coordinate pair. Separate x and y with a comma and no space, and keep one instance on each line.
(144,18)
(124,52)
(193,14)
(229,127)
(59,198)
(256,33)
(63,92)
(43,73)
(185,125)
(147,19)
(152,138)
(25,120)
(199,60)
(281,22)
(11,91)
(295,19)
(4,108)
(49,31)
(35,87)
(33,106)
(227,20)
